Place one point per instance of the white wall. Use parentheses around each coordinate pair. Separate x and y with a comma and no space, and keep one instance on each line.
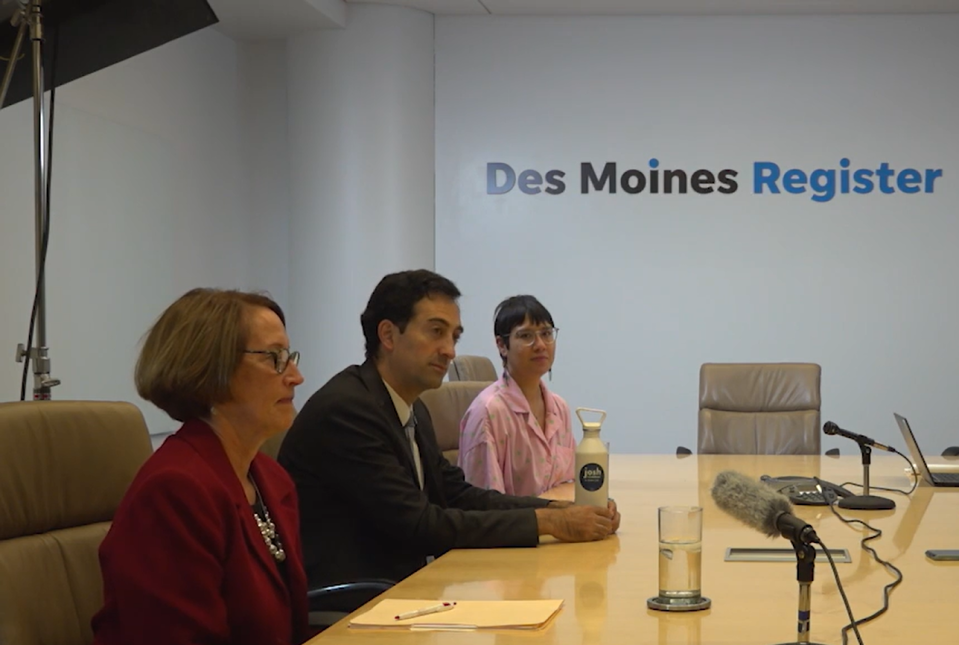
(264,149)
(192,165)
(361,164)
(647,287)
(152,195)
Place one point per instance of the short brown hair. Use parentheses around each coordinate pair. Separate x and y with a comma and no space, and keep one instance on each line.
(190,354)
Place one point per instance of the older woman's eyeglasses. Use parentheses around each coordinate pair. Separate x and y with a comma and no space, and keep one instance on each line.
(281,357)
(528,336)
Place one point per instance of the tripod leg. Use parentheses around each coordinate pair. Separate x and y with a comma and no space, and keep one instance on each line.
(14,55)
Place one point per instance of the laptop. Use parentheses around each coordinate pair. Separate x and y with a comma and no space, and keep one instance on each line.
(936,479)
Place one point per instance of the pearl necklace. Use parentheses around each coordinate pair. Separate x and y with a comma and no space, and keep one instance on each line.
(268,528)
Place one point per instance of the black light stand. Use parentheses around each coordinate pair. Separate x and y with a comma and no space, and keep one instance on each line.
(30,17)
(94,34)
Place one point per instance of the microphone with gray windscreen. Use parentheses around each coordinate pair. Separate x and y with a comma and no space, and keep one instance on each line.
(764,509)
(760,507)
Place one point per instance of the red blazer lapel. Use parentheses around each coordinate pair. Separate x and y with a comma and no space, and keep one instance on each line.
(278,508)
(279,495)
(257,544)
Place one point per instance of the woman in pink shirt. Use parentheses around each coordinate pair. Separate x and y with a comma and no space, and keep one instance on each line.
(516,436)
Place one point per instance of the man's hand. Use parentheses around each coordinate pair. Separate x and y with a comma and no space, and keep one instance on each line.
(611,507)
(558,503)
(575,523)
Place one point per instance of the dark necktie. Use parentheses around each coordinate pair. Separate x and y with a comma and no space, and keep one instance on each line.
(410,429)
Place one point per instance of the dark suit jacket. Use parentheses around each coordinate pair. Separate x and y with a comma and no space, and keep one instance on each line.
(184,561)
(362,512)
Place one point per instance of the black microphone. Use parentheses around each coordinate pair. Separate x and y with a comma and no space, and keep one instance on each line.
(760,507)
(864,502)
(831,428)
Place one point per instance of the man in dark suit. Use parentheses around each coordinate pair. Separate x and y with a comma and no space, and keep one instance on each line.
(377,497)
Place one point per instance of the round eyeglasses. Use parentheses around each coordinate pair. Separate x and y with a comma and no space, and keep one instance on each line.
(528,336)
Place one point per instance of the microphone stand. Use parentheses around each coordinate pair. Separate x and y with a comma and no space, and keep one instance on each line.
(805,569)
(866,502)
(30,17)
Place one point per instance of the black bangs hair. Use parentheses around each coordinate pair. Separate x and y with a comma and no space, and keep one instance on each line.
(512,312)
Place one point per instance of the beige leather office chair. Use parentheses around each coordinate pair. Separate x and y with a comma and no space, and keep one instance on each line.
(447,405)
(64,467)
(472,368)
(759,408)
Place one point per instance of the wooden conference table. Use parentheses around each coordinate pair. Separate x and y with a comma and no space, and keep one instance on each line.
(605,584)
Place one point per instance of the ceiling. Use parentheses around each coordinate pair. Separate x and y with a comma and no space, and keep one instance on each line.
(271,19)
(276,19)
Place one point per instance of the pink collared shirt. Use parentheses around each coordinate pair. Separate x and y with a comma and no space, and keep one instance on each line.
(502,446)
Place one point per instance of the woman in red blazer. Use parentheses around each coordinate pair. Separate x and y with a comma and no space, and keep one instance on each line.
(204,548)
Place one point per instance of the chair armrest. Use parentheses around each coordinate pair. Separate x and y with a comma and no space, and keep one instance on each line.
(377,586)
(323,602)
